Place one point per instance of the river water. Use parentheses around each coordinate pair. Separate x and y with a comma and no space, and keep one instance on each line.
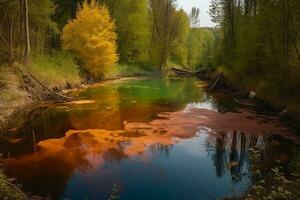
(143,139)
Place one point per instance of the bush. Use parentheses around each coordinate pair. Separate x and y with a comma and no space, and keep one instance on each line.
(92,38)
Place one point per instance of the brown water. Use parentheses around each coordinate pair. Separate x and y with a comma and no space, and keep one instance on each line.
(143,139)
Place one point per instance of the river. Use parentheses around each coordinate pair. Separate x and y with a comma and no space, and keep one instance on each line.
(144,139)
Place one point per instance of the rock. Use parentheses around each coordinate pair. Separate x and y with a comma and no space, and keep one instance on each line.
(252,94)
(11,180)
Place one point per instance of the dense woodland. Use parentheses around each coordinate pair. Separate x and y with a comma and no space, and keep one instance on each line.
(258,46)
(97,35)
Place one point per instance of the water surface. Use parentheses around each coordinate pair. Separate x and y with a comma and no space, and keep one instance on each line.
(142,139)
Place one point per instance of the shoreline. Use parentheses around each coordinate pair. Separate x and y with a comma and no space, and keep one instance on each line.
(241,95)
(11,110)
(28,102)
(291,119)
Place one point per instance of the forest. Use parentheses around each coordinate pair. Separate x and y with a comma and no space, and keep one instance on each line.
(136,99)
(131,33)
(259,47)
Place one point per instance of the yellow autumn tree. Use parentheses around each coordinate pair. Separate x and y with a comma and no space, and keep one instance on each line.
(92,38)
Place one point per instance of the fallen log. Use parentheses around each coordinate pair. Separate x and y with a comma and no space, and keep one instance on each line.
(217,80)
(183,72)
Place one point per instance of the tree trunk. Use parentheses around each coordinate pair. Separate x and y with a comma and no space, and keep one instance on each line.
(11,46)
(27,39)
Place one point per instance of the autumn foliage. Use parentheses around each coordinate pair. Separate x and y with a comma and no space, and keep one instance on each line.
(91,37)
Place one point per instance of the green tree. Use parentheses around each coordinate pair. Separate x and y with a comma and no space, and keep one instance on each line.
(201,46)
(169,27)
(179,51)
(132,27)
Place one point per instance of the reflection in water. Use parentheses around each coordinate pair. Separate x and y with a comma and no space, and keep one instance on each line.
(230,151)
(116,103)
(150,137)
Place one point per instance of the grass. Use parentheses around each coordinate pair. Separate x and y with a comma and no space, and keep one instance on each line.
(58,70)
(10,191)
(126,70)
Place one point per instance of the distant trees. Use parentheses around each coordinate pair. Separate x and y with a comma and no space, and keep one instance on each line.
(133,29)
(201,43)
(149,31)
(91,37)
(195,17)
(168,27)
(179,48)
(144,32)
(201,47)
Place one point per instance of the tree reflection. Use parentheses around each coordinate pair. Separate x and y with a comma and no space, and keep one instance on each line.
(160,149)
(219,160)
(229,153)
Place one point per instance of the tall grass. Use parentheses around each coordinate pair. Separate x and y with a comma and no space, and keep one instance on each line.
(57,70)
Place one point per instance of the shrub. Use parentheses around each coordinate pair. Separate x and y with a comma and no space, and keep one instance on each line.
(91,37)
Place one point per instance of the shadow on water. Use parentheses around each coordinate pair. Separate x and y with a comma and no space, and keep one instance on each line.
(150,138)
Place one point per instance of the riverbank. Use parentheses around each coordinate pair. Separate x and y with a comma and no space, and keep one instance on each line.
(20,95)
(284,107)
